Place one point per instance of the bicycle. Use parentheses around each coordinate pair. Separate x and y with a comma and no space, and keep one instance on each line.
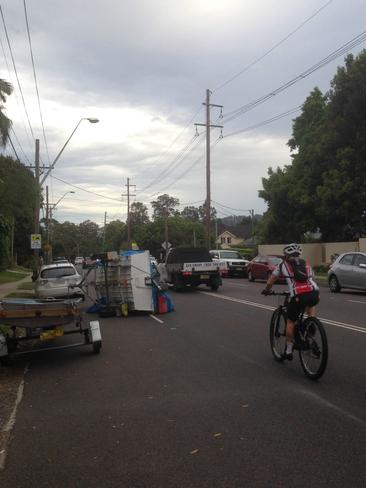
(310,340)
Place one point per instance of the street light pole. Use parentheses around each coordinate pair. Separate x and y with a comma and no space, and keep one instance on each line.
(92,120)
(50,208)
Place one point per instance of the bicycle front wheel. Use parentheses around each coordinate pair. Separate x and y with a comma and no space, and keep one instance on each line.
(314,348)
(277,334)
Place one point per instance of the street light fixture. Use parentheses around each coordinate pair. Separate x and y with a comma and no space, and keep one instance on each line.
(59,200)
(92,120)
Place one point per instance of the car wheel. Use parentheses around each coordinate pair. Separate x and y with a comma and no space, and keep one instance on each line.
(250,276)
(334,284)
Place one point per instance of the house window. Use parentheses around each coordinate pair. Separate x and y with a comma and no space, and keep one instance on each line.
(229,240)
(222,240)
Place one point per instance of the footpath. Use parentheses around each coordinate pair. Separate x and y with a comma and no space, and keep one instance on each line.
(7,288)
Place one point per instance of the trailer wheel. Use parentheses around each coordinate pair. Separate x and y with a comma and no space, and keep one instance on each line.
(97,346)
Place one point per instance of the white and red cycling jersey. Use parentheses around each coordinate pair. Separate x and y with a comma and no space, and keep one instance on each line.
(284,270)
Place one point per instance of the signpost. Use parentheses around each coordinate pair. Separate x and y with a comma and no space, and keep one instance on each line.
(36,241)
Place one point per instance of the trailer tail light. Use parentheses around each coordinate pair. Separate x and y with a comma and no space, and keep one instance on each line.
(187,273)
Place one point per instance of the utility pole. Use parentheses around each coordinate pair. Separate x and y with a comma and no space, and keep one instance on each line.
(252,214)
(208,126)
(47,227)
(128,195)
(105,224)
(38,202)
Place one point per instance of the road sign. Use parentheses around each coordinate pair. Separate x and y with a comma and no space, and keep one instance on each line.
(166,244)
(36,241)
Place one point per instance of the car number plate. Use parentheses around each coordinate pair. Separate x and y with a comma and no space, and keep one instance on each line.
(239,268)
(205,277)
(48,335)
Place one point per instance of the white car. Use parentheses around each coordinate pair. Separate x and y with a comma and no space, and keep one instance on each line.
(58,281)
(79,260)
(236,265)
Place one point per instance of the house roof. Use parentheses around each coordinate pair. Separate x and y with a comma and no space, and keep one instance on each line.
(239,231)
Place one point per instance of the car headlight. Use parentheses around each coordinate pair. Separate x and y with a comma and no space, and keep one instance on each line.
(43,282)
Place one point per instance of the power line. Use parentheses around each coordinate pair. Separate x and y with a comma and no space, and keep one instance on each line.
(246,68)
(21,148)
(15,70)
(170,146)
(170,168)
(265,122)
(230,208)
(16,99)
(12,145)
(35,79)
(186,171)
(87,191)
(320,64)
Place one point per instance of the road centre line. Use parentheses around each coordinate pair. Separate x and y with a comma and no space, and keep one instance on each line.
(342,325)
(356,301)
(155,318)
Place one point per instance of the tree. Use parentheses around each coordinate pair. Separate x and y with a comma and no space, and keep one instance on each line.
(324,187)
(191,213)
(139,214)
(114,235)
(165,206)
(5,123)
(202,210)
(18,194)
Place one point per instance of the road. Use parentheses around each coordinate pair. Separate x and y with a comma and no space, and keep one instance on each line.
(196,400)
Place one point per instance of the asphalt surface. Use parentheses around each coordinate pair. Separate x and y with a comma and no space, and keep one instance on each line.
(196,401)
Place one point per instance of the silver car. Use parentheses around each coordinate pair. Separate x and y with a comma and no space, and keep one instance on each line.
(348,271)
(58,281)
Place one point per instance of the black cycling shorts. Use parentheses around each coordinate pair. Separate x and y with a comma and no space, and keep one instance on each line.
(297,304)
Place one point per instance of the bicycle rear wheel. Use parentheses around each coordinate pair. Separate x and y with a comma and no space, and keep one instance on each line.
(314,349)
(277,334)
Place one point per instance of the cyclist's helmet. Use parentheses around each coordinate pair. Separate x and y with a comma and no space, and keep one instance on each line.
(292,249)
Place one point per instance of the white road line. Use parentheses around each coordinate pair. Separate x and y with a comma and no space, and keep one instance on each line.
(158,320)
(342,325)
(332,406)
(356,301)
(241,285)
(6,430)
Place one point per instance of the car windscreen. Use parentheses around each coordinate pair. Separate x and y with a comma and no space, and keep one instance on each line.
(230,255)
(58,272)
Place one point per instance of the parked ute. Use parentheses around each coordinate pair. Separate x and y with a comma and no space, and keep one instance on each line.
(190,266)
(58,281)
(236,265)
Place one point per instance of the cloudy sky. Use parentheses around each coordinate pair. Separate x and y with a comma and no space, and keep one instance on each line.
(142,67)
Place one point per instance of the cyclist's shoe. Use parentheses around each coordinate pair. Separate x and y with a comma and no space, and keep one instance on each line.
(288,356)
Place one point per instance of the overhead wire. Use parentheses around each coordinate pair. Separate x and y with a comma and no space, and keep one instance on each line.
(320,64)
(17,102)
(186,170)
(265,122)
(231,208)
(12,145)
(21,148)
(16,72)
(169,147)
(170,168)
(35,80)
(84,189)
(246,68)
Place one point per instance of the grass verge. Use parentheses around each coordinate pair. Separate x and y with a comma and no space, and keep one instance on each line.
(20,294)
(10,276)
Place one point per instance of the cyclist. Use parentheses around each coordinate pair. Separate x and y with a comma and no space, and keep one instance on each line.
(304,292)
